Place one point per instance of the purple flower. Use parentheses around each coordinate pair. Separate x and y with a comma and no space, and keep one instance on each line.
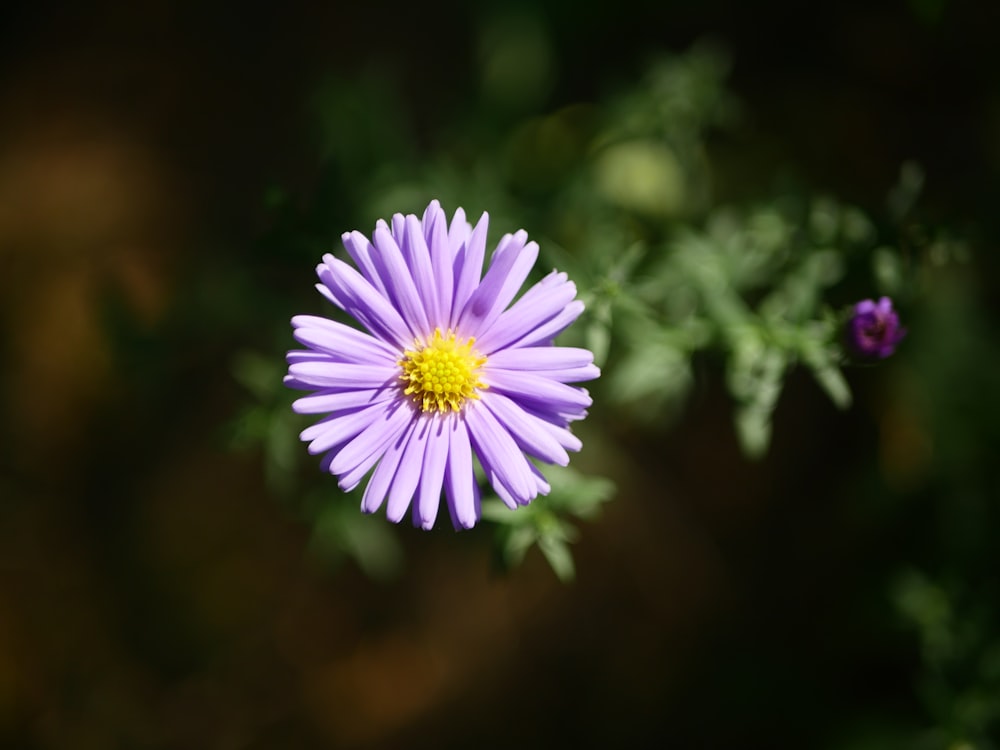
(445,368)
(873,330)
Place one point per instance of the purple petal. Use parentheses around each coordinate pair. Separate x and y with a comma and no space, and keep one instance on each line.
(399,281)
(468,266)
(432,476)
(368,445)
(530,388)
(542,358)
(556,427)
(364,302)
(289,382)
(337,429)
(541,484)
(509,267)
(324,288)
(574,375)
(459,230)
(301,355)
(547,331)
(342,342)
(435,231)
(329,400)
(408,472)
(343,374)
(385,472)
(363,253)
(459,479)
(385,427)
(296,356)
(865,307)
(418,259)
(540,303)
(505,465)
(431,215)
(525,430)
(398,228)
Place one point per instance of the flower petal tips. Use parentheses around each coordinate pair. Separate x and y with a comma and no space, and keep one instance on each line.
(442,369)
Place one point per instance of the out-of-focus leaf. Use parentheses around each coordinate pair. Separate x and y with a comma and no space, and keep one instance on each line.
(623,266)
(824,220)
(887,268)
(648,376)
(642,176)
(597,334)
(494,510)
(556,551)
(577,493)
(543,523)
(824,361)
(856,227)
(517,540)
(904,195)
(754,376)
(832,380)
(258,374)
(339,529)
(753,429)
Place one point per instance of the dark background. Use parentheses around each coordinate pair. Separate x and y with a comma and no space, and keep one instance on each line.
(154,594)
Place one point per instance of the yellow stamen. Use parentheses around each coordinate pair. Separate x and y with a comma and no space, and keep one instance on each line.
(441,374)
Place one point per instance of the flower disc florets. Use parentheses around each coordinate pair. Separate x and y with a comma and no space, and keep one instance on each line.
(443,373)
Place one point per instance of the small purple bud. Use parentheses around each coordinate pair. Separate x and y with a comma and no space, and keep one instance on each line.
(873,330)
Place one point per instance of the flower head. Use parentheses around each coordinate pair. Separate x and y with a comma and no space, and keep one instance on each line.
(445,368)
(873,330)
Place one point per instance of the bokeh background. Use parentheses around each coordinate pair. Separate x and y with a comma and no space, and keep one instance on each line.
(169,174)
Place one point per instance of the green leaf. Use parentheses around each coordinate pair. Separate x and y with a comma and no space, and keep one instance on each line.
(557,552)
(541,523)
(340,530)
(832,381)
(576,493)
(823,359)
(517,540)
(598,340)
(493,509)
(755,379)
(649,375)
(887,268)
(624,265)
(753,430)
(260,375)
(904,195)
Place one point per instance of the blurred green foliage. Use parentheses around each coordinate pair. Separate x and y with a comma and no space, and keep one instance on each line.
(545,522)
(618,194)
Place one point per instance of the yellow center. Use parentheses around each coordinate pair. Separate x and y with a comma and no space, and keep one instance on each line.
(441,374)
